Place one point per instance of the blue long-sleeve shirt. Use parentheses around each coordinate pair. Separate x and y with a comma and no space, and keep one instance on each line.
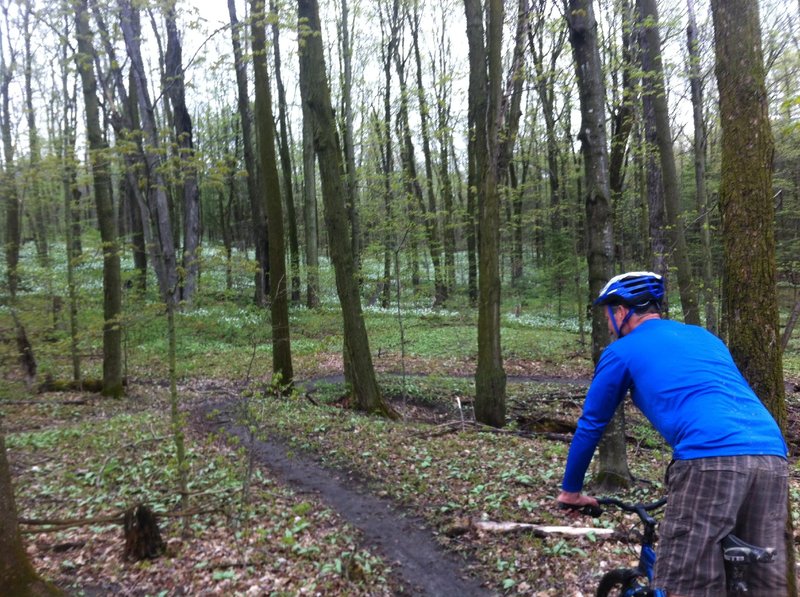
(685,382)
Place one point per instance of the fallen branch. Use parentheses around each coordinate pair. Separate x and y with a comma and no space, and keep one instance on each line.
(455,426)
(49,402)
(486,526)
(84,385)
(54,525)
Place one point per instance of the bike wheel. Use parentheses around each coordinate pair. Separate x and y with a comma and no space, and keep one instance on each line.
(616,582)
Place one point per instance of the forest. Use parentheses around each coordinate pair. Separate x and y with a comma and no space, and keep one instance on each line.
(297,296)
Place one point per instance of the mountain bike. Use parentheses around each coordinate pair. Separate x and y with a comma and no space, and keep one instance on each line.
(637,582)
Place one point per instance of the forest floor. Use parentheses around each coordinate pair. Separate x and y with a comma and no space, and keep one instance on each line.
(298,494)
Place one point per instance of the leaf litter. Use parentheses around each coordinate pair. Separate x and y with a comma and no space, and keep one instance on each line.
(99,458)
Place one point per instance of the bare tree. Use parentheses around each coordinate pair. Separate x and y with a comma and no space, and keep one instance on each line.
(157,203)
(485,59)
(176,92)
(346,46)
(696,86)
(286,163)
(583,37)
(655,74)
(106,216)
(279,300)
(316,95)
(257,209)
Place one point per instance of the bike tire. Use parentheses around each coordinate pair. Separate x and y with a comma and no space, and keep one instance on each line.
(616,582)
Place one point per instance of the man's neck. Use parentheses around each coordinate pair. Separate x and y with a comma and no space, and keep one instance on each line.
(637,320)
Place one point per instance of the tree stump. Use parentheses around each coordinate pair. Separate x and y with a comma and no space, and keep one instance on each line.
(142,537)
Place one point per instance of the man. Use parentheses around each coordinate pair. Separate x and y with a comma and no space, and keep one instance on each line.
(729,472)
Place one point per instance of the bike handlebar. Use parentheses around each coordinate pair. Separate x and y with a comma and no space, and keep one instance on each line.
(640,509)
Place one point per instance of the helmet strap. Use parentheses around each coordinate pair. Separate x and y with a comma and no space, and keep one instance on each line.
(618,329)
(613,320)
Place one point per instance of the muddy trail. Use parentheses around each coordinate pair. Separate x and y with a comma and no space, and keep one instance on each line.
(420,563)
(422,566)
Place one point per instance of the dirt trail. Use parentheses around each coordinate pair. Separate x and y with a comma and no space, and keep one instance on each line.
(423,566)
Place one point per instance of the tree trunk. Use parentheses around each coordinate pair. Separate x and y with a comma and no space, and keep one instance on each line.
(443,89)
(389,42)
(37,198)
(257,209)
(623,118)
(653,186)
(279,303)
(655,74)
(125,122)
(310,212)
(485,105)
(696,85)
(547,71)
(106,218)
(17,576)
(157,200)
(428,214)
(346,43)
(286,163)
(583,37)
(747,210)
(476,144)
(72,195)
(8,191)
(432,214)
(316,94)
(176,92)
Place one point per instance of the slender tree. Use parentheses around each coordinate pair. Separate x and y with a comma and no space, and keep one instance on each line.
(286,163)
(157,203)
(175,90)
(7,189)
(8,192)
(310,212)
(485,59)
(623,117)
(346,46)
(106,217)
(279,300)
(443,134)
(653,181)
(71,192)
(655,72)
(431,214)
(390,26)
(583,37)
(316,94)
(33,175)
(696,87)
(257,208)
(408,158)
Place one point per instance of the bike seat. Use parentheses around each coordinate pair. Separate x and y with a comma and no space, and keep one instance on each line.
(736,551)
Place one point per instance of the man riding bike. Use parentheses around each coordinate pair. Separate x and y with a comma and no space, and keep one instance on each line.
(729,471)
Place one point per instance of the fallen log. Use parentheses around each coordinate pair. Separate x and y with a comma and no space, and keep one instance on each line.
(35,402)
(488,526)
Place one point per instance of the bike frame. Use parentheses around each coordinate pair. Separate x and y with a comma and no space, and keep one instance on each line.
(738,555)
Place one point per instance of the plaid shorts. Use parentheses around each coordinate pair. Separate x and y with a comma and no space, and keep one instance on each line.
(710,498)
